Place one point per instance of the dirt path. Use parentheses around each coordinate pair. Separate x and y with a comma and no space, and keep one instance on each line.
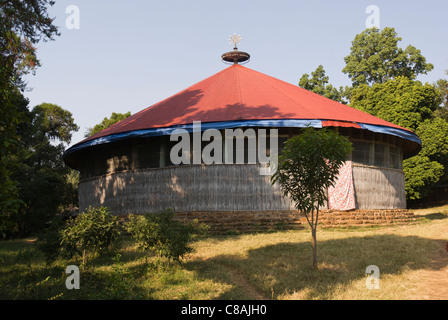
(244,284)
(239,279)
(432,282)
(429,284)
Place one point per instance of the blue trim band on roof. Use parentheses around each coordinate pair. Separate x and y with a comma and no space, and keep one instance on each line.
(392,131)
(153,132)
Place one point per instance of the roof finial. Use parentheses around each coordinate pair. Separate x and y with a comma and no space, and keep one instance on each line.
(235,56)
(235,39)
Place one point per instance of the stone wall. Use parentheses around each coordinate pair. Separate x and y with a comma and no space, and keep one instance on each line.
(244,221)
(252,221)
(361,218)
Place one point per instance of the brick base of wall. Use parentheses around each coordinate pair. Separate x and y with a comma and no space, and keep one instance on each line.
(244,221)
(361,218)
(252,221)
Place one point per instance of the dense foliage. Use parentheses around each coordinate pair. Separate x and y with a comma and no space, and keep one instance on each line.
(44,184)
(430,166)
(162,235)
(384,84)
(96,230)
(412,105)
(318,83)
(24,23)
(376,58)
(92,231)
(402,101)
(107,122)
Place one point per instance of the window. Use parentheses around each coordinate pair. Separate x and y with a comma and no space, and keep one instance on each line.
(361,152)
(117,163)
(148,154)
(395,157)
(378,154)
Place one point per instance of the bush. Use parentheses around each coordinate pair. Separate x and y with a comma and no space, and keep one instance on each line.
(162,235)
(50,240)
(89,233)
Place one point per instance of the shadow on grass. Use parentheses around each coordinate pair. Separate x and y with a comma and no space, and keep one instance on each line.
(435,216)
(285,268)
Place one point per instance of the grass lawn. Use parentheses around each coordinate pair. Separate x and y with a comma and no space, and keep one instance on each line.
(271,265)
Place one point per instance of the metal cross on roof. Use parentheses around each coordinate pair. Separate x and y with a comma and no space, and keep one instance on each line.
(235,39)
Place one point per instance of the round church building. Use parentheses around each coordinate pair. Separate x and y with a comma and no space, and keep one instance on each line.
(206,152)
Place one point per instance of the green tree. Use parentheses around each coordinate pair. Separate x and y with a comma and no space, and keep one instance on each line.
(318,83)
(412,105)
(383,78)
(9,139)
(41,175)
(434,136)
(51,122)
(430,166)
(106,123)
(162,235)
(420,174)
(50,240)
(402,101)
(442,86)
(91,232)
(375,58)
(384,84)
(308,165)
(24,23)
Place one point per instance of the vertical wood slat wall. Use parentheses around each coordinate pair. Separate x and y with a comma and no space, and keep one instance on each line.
(378,188)
(231,187)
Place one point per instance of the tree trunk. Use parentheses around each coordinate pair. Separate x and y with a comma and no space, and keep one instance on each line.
(313,234)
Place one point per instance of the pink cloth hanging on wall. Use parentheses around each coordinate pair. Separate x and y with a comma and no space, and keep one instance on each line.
(342,195)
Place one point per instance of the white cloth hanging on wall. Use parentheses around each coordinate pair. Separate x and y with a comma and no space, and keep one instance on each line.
(342,195)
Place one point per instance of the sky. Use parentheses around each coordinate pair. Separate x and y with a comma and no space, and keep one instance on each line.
(120,56)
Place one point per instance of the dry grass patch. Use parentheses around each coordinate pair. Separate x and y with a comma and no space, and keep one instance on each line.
(278,265)
(412,260)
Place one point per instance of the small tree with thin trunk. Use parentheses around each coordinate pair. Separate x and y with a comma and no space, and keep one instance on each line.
(91,232)
(307,166)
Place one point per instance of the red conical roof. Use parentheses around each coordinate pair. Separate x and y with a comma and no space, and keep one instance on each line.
(239,93)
